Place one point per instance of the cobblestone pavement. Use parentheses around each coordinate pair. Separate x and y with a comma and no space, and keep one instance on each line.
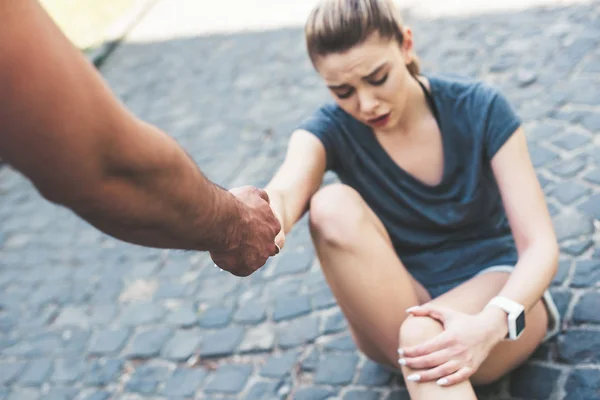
(83,316)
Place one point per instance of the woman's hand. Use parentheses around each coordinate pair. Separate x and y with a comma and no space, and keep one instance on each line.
(455,354)
(280,238)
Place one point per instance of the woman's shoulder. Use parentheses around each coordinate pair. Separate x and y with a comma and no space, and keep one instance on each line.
(327,115)
(330,110)
(460,89)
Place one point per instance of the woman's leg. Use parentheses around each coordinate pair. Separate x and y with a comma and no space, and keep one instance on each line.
(471,297)
(372,287)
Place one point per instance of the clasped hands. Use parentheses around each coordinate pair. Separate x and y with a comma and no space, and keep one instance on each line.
(257,235)
(455,354)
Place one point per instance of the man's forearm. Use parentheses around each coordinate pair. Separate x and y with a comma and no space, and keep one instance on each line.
(155,195)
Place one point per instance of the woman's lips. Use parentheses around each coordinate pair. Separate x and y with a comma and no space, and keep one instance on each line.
(380,121)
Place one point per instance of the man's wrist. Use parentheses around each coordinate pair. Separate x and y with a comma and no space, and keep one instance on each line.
(234,223)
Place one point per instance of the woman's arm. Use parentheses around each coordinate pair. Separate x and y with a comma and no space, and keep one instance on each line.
(530,222)
(298,178)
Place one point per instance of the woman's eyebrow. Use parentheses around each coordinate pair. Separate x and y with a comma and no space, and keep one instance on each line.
(370,75)
(375,71)
(342,86)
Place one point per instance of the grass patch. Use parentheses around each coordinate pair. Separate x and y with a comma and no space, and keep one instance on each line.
(85,22)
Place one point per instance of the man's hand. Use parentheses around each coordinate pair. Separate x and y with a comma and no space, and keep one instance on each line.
(253,240)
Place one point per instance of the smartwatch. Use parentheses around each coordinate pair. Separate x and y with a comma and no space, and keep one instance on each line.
(515,315)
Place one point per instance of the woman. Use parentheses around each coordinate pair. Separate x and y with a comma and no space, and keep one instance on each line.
(439,228)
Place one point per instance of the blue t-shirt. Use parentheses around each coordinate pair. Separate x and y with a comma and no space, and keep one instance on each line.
(449,231)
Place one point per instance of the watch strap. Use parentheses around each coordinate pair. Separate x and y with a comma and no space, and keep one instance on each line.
(508,305)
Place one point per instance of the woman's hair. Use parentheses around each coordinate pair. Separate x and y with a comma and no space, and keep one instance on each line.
(335,26)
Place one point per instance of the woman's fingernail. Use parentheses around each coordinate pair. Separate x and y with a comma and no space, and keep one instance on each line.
(442,381)
(400,352)
(411,309)
(413,377)
(402,361)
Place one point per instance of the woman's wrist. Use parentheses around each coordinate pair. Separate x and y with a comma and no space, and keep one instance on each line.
(496,320)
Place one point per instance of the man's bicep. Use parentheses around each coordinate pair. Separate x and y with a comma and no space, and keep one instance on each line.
(51,102)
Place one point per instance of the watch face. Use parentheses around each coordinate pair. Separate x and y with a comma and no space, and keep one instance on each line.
(520,323)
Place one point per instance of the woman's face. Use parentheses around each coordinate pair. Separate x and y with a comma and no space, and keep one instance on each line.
(370,80)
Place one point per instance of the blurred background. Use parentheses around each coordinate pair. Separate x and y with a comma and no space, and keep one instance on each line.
(83,316)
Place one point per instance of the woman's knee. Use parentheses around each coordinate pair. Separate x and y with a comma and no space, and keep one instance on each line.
(416,330)
(336,214)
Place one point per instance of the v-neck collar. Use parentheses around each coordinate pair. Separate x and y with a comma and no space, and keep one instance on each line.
(389,162)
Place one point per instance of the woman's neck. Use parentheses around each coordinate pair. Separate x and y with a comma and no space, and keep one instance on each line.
(416,109)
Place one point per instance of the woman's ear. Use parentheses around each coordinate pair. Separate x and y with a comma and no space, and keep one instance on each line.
(407,44)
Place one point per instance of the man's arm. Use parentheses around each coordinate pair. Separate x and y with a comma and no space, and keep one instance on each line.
(62,128)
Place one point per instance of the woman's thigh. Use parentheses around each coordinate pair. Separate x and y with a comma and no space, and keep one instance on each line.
(368,280)
(471,297)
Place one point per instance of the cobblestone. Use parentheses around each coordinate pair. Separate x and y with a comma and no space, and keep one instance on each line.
(373,374)
(229,379)
(103,372)
(548,378)
(183,316)
(67,371)
(279,366)
(314,393)
(587,273)
(221,343)
(36,372)
(60,394)
(299,332)
(579,346)
(148,344)
(182,345)
(251,313)
(264,390)
(586,310)
(582,384)
(291,307)
(336,369)
(361,395)
(184,382)
(216,317)
(258,339)
(100,395)
(87,317)
(108,341)
(146,379)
